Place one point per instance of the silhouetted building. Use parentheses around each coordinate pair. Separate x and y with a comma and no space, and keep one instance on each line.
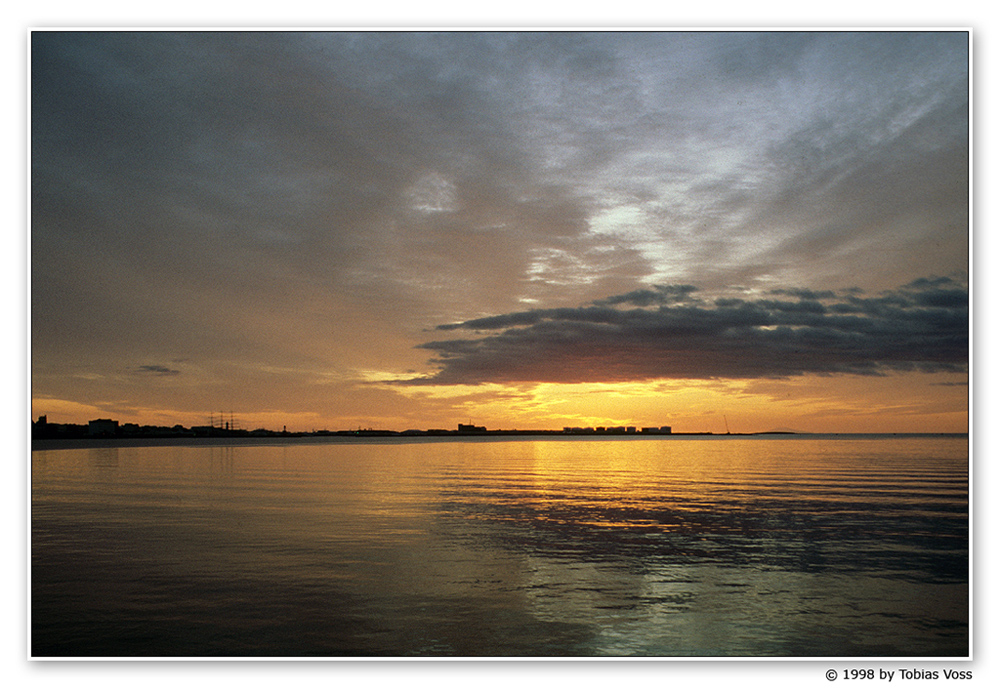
(462,427)
(662,430)
(102,427)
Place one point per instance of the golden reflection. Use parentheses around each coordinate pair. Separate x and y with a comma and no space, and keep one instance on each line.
(666,545)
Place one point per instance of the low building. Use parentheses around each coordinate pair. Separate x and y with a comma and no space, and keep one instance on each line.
(102,427)
(662,430)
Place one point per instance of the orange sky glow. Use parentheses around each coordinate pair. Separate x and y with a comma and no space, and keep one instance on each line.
(525,230)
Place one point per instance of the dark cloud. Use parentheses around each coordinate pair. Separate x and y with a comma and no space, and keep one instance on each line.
(157,370)
(659,294)
(920,326)
(804,294)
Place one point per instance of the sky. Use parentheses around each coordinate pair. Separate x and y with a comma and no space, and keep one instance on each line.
(331,230)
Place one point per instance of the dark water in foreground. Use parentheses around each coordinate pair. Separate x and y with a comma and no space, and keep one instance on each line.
(749,547)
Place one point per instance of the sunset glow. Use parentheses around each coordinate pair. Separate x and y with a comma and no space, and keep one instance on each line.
(713,231)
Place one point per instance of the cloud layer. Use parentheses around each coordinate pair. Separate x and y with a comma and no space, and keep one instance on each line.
(668,332)
(232,217)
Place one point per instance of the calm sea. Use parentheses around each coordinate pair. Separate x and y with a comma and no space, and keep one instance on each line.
(783,546)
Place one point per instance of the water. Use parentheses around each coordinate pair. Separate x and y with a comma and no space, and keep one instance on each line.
(745,547)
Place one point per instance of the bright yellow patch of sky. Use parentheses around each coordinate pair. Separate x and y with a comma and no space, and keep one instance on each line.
(893,403)
(912,402)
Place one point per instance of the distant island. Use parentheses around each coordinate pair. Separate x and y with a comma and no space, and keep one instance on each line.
(104,428)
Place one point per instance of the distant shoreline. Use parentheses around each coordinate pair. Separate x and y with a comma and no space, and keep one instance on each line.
(373,437)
